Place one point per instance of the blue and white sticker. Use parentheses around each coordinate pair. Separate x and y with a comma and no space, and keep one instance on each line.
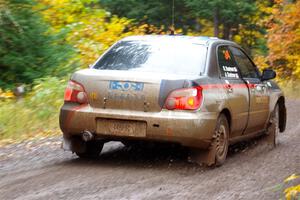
(126,86)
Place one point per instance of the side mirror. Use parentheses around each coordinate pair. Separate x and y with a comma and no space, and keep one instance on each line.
(268,74)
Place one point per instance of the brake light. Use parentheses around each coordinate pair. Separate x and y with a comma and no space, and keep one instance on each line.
(184,99)
(75,93)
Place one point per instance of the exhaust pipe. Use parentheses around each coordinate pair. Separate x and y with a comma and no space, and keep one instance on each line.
(87,136)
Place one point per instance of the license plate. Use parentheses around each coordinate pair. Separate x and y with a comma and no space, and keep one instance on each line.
(121,127)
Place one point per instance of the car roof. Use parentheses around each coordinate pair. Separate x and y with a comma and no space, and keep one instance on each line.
(205,40)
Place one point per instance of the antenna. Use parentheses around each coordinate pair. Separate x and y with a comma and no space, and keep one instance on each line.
(173,19)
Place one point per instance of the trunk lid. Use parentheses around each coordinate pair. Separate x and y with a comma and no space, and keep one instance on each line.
(128,90)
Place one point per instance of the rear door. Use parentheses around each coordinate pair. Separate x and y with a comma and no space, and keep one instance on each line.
(259,94)
(236,90)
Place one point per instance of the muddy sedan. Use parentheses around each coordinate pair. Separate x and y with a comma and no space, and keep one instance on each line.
(200,92)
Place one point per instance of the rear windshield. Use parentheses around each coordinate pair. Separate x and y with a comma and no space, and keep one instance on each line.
(176,57)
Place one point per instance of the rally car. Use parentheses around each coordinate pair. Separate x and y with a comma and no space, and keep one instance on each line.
(200,92)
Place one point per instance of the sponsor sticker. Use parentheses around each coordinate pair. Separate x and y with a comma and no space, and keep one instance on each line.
(126,86)
(226,55)
(230,72)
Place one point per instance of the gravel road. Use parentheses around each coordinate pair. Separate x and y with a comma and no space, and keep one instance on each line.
(41,170)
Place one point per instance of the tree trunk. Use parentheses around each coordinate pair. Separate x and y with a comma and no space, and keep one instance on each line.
(216,22)
(226,31)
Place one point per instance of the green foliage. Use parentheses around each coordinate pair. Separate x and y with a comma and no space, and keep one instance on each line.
(27,51)
(155,12)
(236,20)
(35,114)
(230,14)
(230,11)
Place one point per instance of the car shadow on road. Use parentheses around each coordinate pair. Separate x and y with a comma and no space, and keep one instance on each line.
(160,156)
(156,156)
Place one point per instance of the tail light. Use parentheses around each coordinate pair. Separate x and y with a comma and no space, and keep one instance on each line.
(184,99)
(75,93)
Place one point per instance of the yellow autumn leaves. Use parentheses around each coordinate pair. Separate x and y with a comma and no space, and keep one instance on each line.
(6,94)
(90,29)
(292,192)
(284,40)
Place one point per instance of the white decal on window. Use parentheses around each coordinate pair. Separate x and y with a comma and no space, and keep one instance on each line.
(229,69)
(231,75)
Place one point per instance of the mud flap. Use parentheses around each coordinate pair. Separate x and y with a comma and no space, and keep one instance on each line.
(204,156)
(66,144)
(271,135)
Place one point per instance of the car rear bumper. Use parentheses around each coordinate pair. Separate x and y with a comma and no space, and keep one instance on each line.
(194,129)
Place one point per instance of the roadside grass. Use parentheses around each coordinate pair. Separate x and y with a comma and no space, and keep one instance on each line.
(35,115)
(289,188)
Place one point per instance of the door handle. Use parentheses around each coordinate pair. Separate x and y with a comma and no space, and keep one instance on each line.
(251,86)
(229,88)
(260,87)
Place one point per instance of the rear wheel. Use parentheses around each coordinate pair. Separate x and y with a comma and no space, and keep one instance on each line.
(92,149)
(132,144)
(217,152)
(221,138)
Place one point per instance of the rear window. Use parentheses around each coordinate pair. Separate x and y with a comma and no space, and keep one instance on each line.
(176,57)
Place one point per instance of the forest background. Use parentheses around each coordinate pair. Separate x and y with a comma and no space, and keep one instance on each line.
(43,41)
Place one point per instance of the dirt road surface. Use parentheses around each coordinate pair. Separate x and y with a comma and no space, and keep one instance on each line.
(41,170)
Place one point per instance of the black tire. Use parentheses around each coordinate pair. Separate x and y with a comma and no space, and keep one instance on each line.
(92,150)
(221,140)
(134,144)
(273,128)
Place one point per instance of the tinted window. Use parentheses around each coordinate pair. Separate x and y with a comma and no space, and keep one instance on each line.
(170,56)
(248,70)
(227,65)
